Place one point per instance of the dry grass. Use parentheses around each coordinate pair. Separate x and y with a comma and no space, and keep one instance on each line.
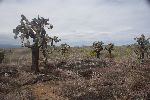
(77,76)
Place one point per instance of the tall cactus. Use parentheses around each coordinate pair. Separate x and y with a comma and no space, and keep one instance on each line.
(64,48)
(35,31)
(109,48)
(142,46)
(98,47)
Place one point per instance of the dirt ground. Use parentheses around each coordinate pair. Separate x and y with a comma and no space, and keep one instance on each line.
(79,77)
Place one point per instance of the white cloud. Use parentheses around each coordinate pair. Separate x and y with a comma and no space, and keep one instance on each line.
(82,20)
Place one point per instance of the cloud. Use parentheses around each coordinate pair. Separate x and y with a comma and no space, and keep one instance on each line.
(148,1)
(84,21)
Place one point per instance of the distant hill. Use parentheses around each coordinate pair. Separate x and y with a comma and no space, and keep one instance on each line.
(9,46)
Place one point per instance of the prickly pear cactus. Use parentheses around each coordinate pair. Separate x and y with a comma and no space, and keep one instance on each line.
(142,47)
(98,47)
(34,30)
(109,48)
(53,40)
(64,48)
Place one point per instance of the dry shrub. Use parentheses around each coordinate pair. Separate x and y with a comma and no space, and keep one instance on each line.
(79,77)
(20,94)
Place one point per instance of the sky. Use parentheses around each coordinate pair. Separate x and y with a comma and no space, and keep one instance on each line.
(80,22)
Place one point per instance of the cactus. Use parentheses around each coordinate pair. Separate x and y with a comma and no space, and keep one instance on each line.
(109,48)
(2,55)
(64,48)
(98,47)
(35,31)
(142,47)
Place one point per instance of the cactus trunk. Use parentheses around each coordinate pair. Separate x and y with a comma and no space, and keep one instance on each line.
(35,59)
(142,55)
(98,55)
(110,53)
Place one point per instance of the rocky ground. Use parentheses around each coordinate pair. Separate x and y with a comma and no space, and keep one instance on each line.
(77,78)
(82,79)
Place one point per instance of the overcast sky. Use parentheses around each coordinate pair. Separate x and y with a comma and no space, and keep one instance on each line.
(80,22)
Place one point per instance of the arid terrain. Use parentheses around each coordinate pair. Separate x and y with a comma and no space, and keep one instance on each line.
(77,75)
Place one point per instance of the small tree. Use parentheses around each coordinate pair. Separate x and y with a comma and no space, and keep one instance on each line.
(35,31)
(98,47)
(109,48)
(64,48)
(142,46)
